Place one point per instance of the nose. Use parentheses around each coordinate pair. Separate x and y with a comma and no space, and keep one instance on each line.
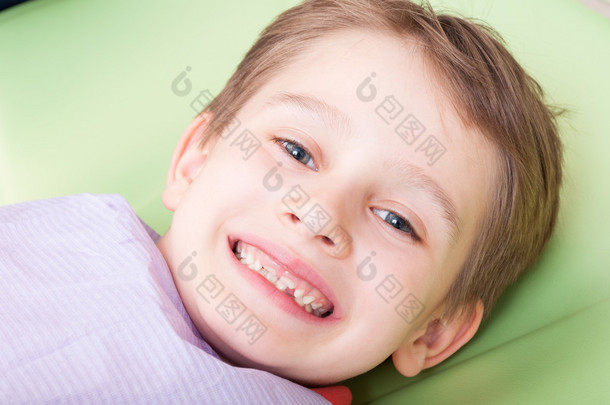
(324,220)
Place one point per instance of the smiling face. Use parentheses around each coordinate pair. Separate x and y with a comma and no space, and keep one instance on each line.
(332,244)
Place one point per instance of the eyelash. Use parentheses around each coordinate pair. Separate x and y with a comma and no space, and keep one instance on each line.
(406,224)
(284,142)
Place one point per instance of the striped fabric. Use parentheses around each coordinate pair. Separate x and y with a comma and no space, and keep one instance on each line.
(89,314)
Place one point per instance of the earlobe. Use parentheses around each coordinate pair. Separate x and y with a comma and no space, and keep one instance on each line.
(187,161)
(438,342)
(409,359)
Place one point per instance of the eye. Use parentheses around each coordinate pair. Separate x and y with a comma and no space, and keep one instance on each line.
(298,152)
(398,223)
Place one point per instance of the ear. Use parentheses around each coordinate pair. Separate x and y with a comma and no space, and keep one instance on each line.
(187,161)
(438,342)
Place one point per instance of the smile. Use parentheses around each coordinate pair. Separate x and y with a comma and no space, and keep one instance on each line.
(304,294)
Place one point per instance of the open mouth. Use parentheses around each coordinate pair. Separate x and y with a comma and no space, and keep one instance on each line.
(304,294)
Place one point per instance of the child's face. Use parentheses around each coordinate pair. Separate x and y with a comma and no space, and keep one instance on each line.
(349,174)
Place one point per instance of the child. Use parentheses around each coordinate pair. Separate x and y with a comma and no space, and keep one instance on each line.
(367,183)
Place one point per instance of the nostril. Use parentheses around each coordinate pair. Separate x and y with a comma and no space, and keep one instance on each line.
(296,220)
(328,241)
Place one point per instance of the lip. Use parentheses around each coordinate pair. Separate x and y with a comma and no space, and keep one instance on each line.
(288,261)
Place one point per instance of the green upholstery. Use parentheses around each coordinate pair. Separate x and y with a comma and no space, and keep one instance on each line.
(86,105)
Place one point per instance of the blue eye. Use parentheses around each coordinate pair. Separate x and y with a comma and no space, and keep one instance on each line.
(298,152)
(398,223)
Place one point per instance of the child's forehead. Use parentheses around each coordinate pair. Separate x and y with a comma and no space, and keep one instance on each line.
(381,78)
(349,85)
(360,80)
(340,61)
(366,45)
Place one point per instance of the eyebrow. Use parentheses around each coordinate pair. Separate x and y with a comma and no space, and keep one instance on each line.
(333,118)
(330,116)
(417,178)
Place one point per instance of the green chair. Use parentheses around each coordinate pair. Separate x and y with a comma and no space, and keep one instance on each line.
(88,103)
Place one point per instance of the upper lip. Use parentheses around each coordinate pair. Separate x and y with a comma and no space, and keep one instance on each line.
(292,263)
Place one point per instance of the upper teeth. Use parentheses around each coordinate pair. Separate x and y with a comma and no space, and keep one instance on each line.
(249,256)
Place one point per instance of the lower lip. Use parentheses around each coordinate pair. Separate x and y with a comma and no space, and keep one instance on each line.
(277,298)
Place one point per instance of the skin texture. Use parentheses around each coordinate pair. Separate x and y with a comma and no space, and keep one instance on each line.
(355,176)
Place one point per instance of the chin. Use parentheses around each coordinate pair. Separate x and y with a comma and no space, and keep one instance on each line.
(306,377)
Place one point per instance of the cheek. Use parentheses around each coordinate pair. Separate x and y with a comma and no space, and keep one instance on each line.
(398,288)
(230,178)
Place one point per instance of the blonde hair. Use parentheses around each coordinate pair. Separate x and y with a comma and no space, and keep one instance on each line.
(488,89)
